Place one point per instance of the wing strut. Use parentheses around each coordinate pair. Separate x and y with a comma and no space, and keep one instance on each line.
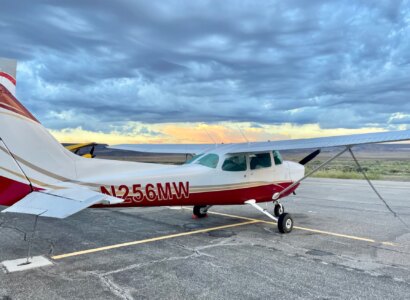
(30,242)
(374,189)
(276,196)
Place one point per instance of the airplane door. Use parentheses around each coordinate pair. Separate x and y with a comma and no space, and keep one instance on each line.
(264,167)
(235,169)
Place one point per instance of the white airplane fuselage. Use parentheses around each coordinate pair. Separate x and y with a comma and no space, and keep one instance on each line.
(193,184)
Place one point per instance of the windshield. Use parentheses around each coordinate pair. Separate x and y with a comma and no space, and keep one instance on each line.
(209,160)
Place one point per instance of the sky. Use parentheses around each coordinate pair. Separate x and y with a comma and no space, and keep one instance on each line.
(202,71)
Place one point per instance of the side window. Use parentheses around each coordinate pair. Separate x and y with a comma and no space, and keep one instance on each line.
(260,160)
(235,163)
(277,158)
(209,160)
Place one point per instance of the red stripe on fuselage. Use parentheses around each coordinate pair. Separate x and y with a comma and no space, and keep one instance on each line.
(238,196)
(9,102)
(8,76)
(262,193)
(12,191)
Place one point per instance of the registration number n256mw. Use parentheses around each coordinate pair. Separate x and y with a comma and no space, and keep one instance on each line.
(150,192)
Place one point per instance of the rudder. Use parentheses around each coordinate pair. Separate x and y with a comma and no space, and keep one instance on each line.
(45,162)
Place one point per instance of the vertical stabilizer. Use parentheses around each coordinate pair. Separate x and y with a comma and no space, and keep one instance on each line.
(30,157)
(8,68)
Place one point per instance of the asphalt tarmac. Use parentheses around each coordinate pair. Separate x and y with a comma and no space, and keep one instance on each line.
(346,245)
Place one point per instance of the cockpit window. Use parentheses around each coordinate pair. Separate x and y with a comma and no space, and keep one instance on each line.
(193,158)
(260,161)
(277,158)
(209,160)
(235,163)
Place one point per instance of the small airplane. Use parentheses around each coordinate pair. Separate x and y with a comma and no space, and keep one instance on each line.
(76,148)
(38,176)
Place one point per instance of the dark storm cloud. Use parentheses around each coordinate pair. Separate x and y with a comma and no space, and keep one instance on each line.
(93,63)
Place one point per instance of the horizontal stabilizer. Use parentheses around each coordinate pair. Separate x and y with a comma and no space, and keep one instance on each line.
(60,203)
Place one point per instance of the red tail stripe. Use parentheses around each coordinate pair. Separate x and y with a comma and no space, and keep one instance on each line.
(9,102)
(8,76)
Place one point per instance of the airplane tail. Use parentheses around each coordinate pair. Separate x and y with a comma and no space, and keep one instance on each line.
(8,68)
(30,157)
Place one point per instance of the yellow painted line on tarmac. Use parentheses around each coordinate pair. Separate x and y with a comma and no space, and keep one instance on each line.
(150,240)
(347,236)
(248,222)
(390,244)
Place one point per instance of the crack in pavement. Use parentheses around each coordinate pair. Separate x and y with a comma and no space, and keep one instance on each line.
(124,293)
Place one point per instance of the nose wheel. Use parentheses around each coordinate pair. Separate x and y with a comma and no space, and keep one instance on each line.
(285,223)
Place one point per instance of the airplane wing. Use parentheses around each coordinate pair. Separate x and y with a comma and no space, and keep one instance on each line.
(166,148)
(60,203)
(324,142)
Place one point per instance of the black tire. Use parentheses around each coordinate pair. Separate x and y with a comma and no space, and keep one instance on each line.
(285,223)
(278,210)
(197,211)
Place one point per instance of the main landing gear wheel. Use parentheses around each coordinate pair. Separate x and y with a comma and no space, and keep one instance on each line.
(200,211)
(285,223)
(279,209)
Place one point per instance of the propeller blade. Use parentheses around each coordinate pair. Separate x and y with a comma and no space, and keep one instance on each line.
(92,151)
(311,156)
